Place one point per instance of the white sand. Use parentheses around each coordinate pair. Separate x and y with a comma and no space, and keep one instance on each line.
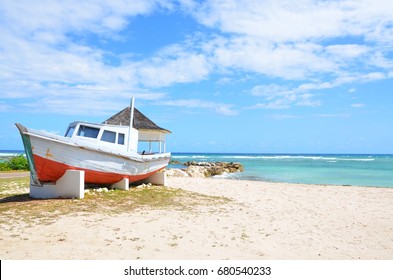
(262,221)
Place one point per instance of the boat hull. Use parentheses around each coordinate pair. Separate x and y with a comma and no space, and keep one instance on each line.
(50,171)
(50,158)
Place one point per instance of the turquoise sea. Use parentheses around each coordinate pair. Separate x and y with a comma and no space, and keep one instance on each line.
(359,170)
(342,169)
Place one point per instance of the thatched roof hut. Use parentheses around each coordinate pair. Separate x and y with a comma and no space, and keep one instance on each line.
(140,121)
(148,131)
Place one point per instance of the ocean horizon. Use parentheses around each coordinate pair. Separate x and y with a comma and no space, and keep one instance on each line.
(375,170)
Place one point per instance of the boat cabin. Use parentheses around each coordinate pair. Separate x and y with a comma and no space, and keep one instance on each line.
(144,137)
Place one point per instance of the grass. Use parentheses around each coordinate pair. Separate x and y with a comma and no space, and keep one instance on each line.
(13,171)
(9,186)
(16,206)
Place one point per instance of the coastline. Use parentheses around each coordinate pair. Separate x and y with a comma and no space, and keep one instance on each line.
(304,168)
(326,169)
(233,219)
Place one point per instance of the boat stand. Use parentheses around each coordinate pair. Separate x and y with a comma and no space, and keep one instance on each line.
(158,178)
(123,184)
(70,185)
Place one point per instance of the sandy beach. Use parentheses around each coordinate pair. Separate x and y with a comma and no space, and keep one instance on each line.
(240,220)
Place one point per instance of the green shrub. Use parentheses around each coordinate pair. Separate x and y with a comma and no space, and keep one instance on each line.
(4,166)
(15,163)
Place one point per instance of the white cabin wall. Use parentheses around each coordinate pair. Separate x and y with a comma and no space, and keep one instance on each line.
(134,140)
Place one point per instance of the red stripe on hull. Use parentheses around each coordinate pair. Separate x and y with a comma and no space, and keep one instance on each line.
(50,171)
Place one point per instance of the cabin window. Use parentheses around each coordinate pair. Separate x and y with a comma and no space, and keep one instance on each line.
(109,136)
(87,131)
(120,140)
(70,131)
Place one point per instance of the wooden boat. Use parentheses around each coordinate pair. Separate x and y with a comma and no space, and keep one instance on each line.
(107,152)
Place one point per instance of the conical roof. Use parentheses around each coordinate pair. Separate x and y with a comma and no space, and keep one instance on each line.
(140,121)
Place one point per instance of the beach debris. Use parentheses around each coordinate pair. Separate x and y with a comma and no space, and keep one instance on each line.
(148,185)
(97,190)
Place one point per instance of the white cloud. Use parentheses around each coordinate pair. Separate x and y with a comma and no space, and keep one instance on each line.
(224,81)
(161,71)
(288,61)
(297,40)
(42,59)
(358,105)
(281,21)
(285,116)
(347,51)
(5,107)
(306,99)
(264,19)
(380,60)
(45,54)
(277,104)
(88,102)
(221,108)
(374,76)
(282,97)
(346,78)
(339,115)
(27,18)
(271,90)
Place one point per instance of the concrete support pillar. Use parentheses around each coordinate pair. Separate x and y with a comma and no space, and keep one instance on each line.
(158,178)
(123,184)
(70,185)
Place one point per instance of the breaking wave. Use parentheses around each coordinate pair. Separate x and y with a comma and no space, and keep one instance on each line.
(278,157)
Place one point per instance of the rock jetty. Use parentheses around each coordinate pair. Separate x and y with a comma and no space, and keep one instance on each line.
(206,169)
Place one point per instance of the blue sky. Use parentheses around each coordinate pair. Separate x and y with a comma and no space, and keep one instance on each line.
(223,75)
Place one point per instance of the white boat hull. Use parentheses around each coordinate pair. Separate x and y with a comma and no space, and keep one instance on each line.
(50,157)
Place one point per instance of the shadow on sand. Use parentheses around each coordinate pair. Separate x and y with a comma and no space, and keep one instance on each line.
(16,198)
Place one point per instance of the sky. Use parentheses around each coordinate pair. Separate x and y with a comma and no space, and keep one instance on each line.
(225,76)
